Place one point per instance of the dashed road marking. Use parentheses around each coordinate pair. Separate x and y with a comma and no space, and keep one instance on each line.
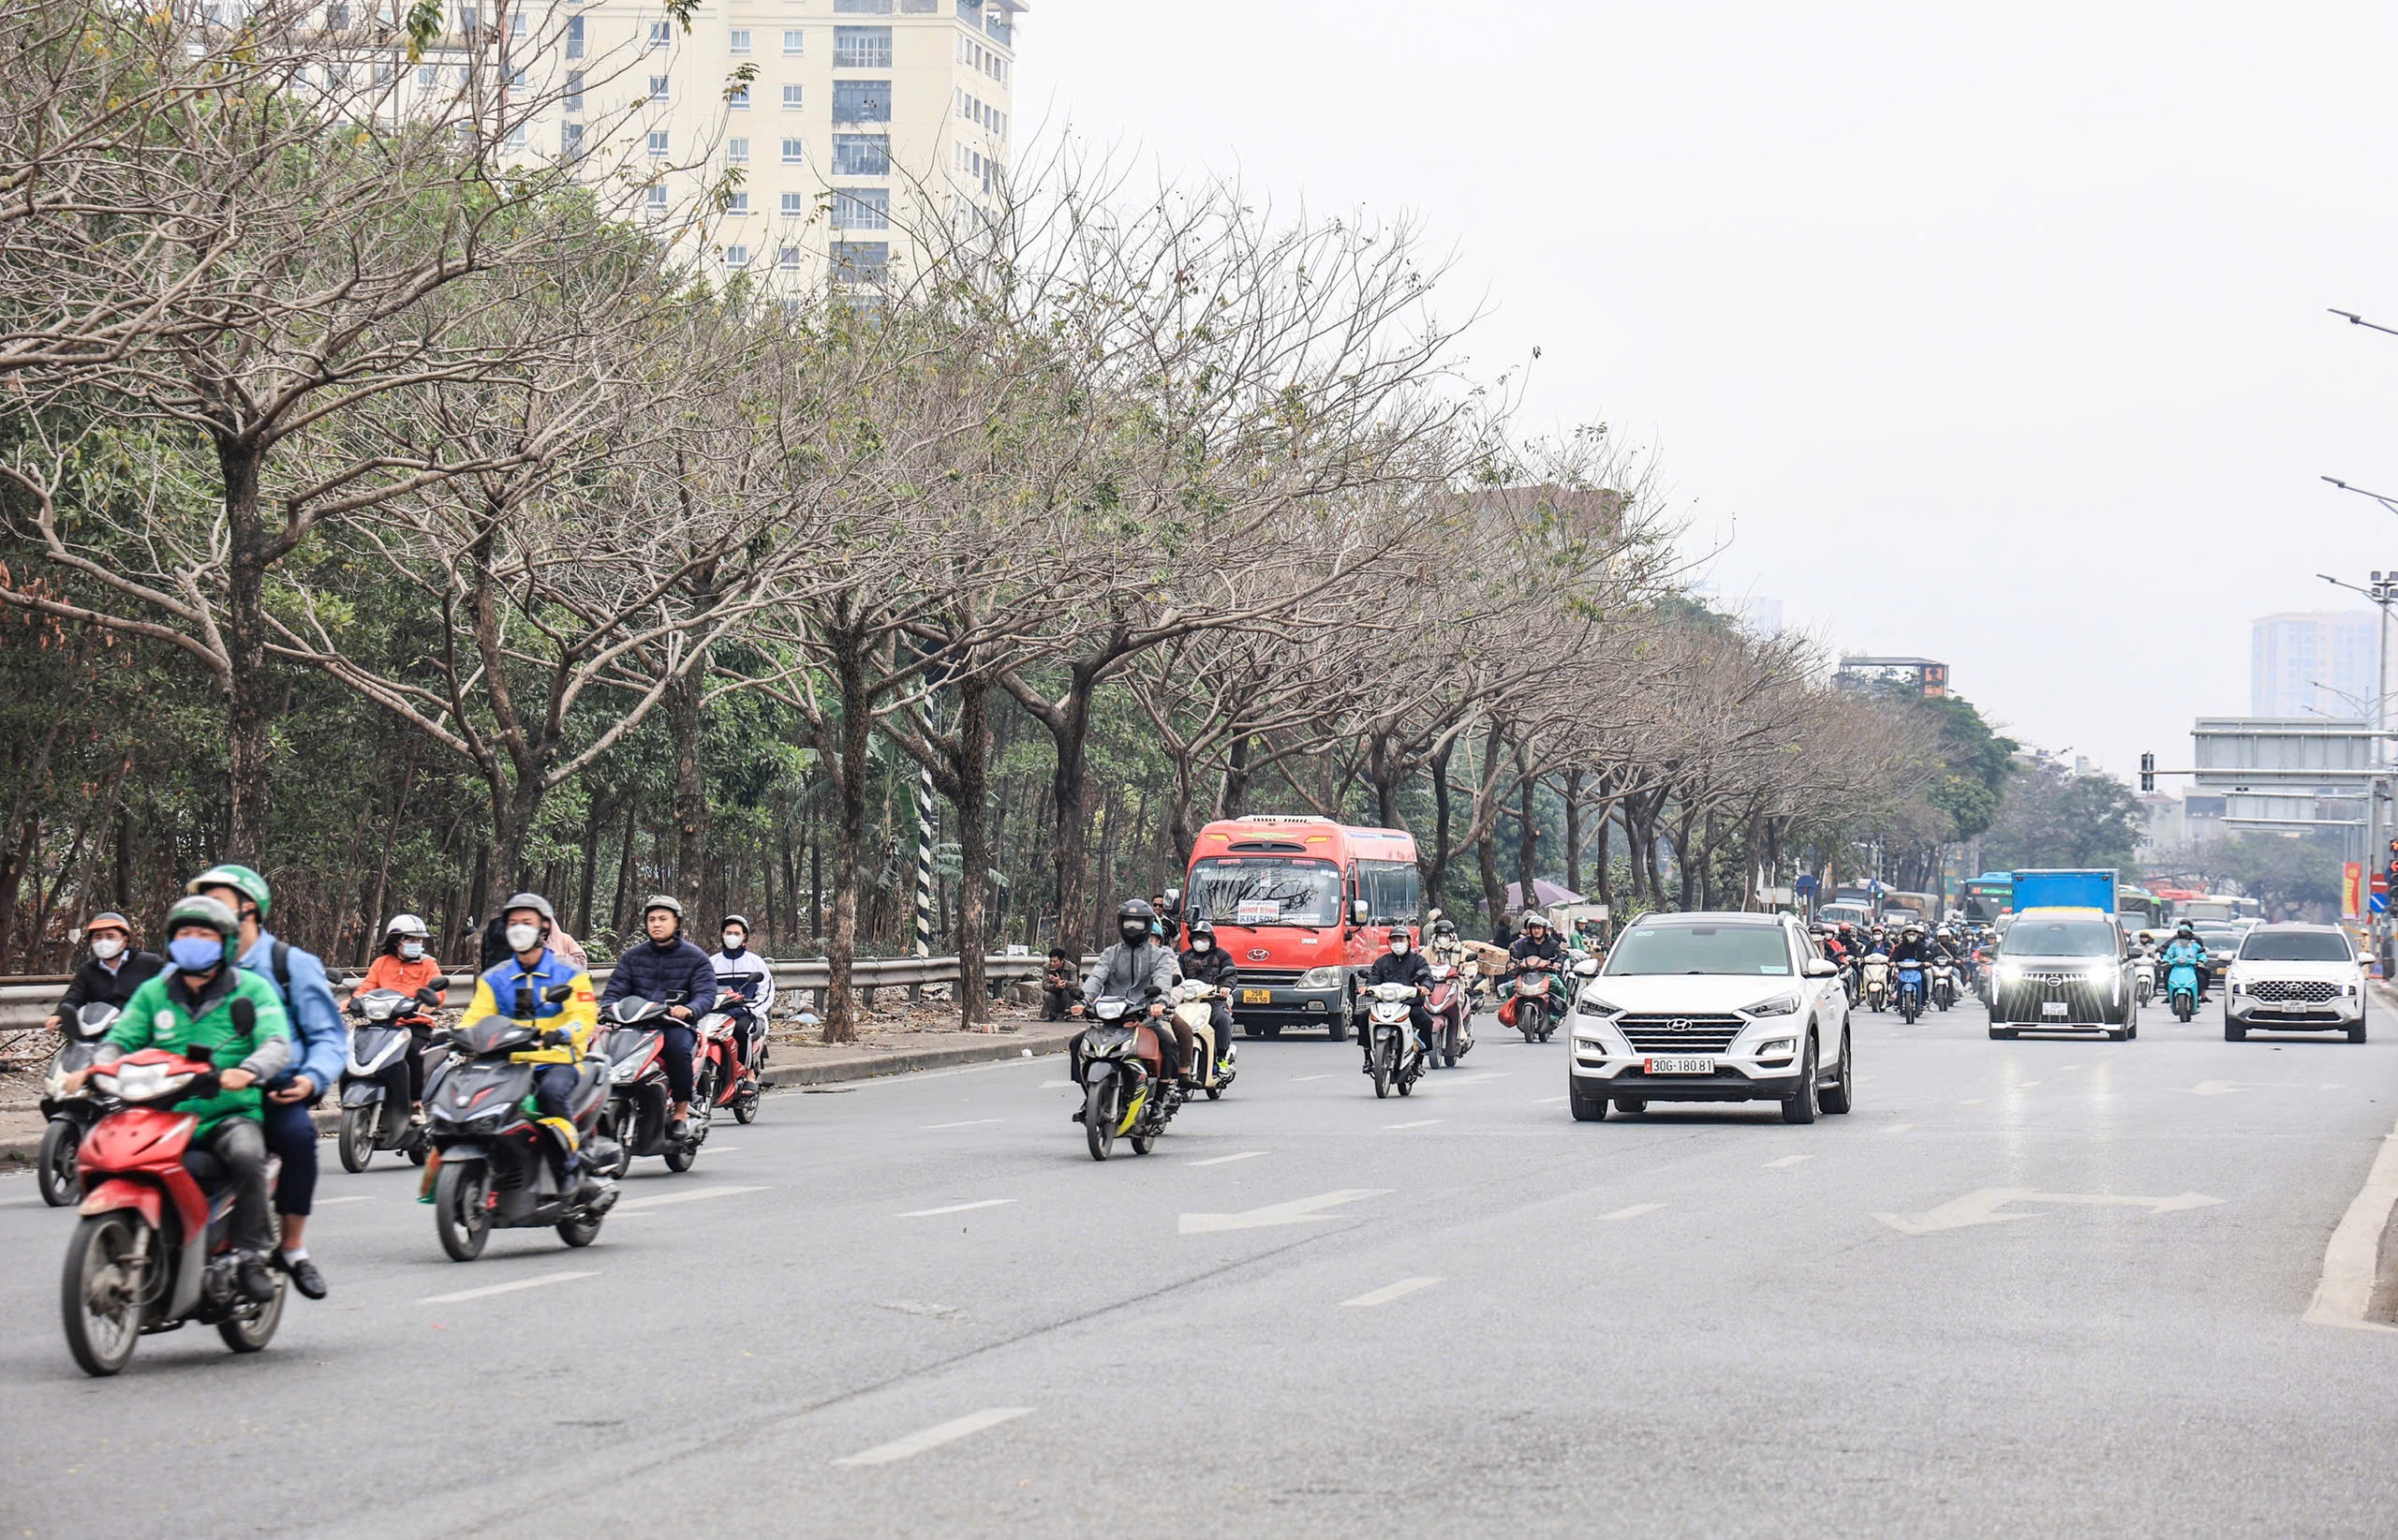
(1305,1079)
(935,1436)
(354,1198)
(695,1195)
(1634,1212)
(956,1208)
(542,1281)
(1387,1293)
(971,1123)
(1898,1128)
(1420,1122)
(1786,1162)
(1548,1100)
(1227,1160)
(1971,1102)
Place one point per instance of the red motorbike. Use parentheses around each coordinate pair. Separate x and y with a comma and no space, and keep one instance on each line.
(1451,1007)
(719,1078)
(154,1250)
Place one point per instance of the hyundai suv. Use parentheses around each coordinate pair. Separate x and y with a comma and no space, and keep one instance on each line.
(2294,978)
(1710,1008)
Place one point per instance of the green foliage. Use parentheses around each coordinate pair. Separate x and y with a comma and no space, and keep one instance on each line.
(2052,819)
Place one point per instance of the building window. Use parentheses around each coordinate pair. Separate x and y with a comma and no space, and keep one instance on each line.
(794,97)
(862,7)
(470,18)
(860,155)
(861,208)
(736,255)
(570,141)
(336,18)
(861,48)
(516,137)
(736,151)
(737,202)
(661,88)
(516,26)
(574,36)
(794,40)
(383,74)
(794,205)
(516,80)
(740,40)
(860,262)
(657,144)
(788,259)
(428,75)
(861,102)
(918,8)
(574,90)
(793,153)
(738,98)
(660,34)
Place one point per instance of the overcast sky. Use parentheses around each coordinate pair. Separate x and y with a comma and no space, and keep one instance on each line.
(1990,334)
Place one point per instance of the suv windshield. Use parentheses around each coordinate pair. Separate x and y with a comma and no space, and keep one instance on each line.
(2059,938)
(2295,946)
(1267,890)
(1750,949)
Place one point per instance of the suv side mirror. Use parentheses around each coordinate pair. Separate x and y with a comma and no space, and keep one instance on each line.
(1359,911)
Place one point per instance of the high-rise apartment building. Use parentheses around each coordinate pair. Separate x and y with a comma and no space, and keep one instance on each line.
(2319,664)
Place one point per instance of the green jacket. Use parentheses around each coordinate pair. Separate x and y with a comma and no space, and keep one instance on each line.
(163,1014)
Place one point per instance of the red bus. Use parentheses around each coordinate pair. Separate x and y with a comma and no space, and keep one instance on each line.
(1302,904)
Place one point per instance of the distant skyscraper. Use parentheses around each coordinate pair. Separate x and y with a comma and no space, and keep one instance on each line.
(2312,664)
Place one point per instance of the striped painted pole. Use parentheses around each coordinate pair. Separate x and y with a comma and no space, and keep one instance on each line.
(924,862)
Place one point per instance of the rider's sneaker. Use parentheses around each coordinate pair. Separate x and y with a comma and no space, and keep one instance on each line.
(251,1275)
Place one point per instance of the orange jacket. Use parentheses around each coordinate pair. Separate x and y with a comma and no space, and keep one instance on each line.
(388,971)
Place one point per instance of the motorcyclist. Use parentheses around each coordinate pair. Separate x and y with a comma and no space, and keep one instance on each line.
(1137,967)
(115,970)
(2185,947)
(321,1051)
(1402,964)
(190,1007)
(1537,946)
(1209,962)
(516,988)
(756,990)
(405,963)
(670,969)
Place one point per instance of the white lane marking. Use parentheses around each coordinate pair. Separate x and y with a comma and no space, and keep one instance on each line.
(1971,1102)
(2330,1085)
(1387,1293)
(2025,1084)
(1786,1162)
(2061,1068)
(695,1195)
(1055,1085)
(957,1208)
(935,1436)
(971,1123)
(1983,1207)
(1548,1100)
(2211,1088)
(919,1307)
(354,1198)
(2351,1261)
(1420,1122)
(542,1281)
(1898,1128)
(1477,1079)
(1227,1160)
(1634,1212)
(1305,1079)
(1296,1211)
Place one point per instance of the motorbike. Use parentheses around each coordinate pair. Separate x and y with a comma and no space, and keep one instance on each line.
(1125,1089)
(375,1111)
(719,1078)
(2144,979)
(71,1116)
(1944,982)
(154,1248)
(640,1116)
(1393,1055)
(1909,994)
(1452,1008)
(495,1168)
(1873,989)
(1194,1006)
(2182,988)
(1535,1016)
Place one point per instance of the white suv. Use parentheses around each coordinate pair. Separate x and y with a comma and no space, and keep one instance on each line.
(2294,978)
(1711,1008)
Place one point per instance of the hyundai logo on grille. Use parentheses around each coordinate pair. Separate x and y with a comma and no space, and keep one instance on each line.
(1680,1024)
(1258,954)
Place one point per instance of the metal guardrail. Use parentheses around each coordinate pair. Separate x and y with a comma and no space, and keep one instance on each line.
(26,1004)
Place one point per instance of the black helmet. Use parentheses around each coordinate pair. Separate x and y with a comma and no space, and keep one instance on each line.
(2185,929)
(1135,920)
(1199,928)
(533,901)
(1444,927)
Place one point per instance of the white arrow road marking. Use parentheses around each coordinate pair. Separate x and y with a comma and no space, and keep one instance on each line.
(971,1123)
(542,1281)
(1296,1211)
(1983,1208)
(1387,1293)
(1634,1212)
(694,1194)
(1420,1122)
(935,1436)
(2351,1261)
(957,1208)
(1227,1160)
(1786,1162)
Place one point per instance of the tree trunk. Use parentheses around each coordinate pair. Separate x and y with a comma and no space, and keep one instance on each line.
(1528,845)
(1436,869)
(686,702)
(1070,804)
(1604,864)
(973,770)
(1682,873)
(1494,892)
(383,860)
(847,771)
(1574,830)
(250,727)
(587,878)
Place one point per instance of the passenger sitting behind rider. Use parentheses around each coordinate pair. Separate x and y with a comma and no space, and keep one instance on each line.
(1138,967)
(1401,964)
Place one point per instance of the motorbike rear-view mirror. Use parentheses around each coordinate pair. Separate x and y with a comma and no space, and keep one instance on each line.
(558,994)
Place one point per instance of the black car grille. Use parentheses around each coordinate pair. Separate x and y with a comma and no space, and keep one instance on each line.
(1664,1034)
(2313,991)
(2022,995)
(1260,978)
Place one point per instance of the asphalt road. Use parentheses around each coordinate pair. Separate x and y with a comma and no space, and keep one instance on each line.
(917,1307)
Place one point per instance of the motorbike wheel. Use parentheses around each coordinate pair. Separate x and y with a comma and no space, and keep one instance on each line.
(1908,1009)
(1382,1076)
(1527,1020)
(745,1106)
(1406,1082)
(54,1168)
(356,1141)
(251,1331)
(461,1215)
(679,1156)
(418,1152)
(1215,1093)
(101,1305)
(1098,1120)
(582,1230)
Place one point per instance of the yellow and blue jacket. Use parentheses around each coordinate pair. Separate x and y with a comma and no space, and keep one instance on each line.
(498,991)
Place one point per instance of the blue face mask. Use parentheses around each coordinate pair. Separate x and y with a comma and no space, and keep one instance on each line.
(196,954)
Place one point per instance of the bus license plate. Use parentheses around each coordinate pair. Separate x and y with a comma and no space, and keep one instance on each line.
(2054,1008)
(1679,1064)
(1257,997)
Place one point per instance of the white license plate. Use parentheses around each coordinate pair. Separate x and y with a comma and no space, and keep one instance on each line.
(1679,1064)
(2055,1008)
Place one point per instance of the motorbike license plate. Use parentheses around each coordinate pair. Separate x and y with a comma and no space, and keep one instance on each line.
(2055,1008)
(1679,1064)
(1257,997)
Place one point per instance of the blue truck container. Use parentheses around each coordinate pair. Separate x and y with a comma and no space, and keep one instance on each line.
(2064,889)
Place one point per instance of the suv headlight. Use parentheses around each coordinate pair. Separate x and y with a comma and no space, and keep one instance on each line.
(1780,1005)
(1321,977)
(1591,1006)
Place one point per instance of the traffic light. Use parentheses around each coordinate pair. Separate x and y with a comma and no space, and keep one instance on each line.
(2148,772)
(2390,872)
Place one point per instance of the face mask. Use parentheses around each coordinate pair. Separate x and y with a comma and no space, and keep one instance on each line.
(196,954)
(105,947)
(1398,946)
(523,938)
(411,951)
(734,941)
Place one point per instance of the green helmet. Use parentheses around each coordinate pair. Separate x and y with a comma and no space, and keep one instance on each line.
(215,913)
(241,879)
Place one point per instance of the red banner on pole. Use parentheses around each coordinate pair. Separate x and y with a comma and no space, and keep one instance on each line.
(2352,888)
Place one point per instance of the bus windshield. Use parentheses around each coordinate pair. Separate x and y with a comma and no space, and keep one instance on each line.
(1267,890)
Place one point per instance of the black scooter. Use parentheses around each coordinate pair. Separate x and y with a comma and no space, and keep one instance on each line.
(496,1171)
(374,1083)
(640,1110)
(71,1117)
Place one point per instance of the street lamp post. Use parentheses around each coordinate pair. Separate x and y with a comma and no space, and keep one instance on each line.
(2383,592)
